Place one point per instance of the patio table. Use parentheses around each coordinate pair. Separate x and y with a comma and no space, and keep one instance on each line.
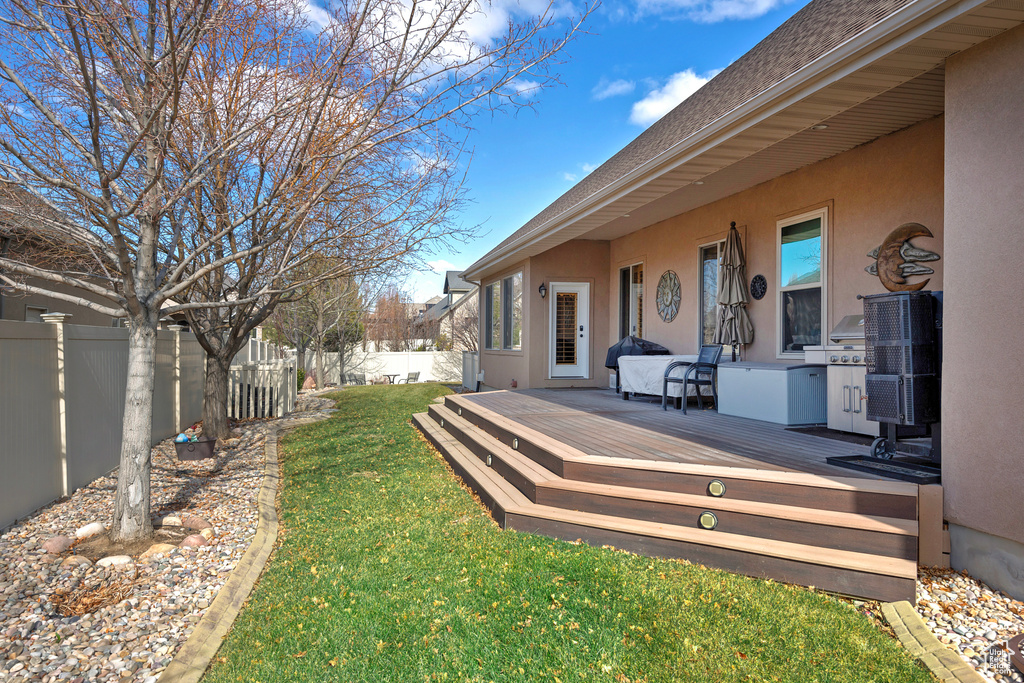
(391,378)
(646,375)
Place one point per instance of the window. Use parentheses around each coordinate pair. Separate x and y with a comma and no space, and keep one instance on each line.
(710,265)
(631,301)
(710,270)
(34,314)
(801,268)
(503,301)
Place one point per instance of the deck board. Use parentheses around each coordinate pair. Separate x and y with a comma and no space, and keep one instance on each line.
(598,422)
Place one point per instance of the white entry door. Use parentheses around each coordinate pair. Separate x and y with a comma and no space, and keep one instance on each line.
(570,329)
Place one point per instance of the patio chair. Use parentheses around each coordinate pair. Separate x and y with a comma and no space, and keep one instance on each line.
(703,373)
(358,378)
(411,379)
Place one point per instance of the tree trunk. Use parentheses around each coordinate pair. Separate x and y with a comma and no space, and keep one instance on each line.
(321,373)
(215,398)
(131,505)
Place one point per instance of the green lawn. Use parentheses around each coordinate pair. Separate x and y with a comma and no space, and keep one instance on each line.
(388,570)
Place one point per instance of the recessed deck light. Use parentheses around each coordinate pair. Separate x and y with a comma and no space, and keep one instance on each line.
(698,182)
(820,126)
(707,520)
(716,488)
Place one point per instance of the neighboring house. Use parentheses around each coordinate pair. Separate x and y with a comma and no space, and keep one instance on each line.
(20,237)
(851,119)
(454,318)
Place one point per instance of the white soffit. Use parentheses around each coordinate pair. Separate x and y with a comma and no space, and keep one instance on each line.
(891,92)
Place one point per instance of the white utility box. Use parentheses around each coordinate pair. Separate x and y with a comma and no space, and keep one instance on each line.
(774,392)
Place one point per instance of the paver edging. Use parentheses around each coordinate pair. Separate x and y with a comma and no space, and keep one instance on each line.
(194,657)
(918,640)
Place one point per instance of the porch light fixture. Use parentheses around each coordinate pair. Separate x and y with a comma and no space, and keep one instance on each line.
(515,444)
(716,488)
(488,459)
(707,520)
(543,290)
(820,126)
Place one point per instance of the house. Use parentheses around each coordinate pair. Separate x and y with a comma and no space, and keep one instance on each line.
(454,318)
(22,236)
(851,119)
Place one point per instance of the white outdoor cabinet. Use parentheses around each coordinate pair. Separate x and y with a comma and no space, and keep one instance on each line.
(774,392)
(848,400)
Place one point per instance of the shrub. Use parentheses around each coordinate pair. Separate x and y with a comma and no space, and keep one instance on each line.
(300,376)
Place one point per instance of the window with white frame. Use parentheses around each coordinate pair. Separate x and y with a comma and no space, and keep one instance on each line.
(631,301)
(802,258)
(503,301)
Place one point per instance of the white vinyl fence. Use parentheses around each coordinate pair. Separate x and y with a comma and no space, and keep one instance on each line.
(433,366)
(264,389)
(62,391)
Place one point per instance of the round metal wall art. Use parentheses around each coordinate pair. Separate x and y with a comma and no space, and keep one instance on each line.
(758,287)
(668,296)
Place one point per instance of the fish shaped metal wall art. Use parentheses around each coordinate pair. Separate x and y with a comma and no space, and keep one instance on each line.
(896,258)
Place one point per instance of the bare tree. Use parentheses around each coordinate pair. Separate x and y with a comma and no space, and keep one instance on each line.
(112,113)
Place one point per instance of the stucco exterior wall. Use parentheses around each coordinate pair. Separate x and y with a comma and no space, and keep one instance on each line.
(501,367)
(869,191)
(16,302)
(983,384)
(577,261)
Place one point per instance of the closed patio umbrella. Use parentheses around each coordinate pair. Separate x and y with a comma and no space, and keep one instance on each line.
(733,324)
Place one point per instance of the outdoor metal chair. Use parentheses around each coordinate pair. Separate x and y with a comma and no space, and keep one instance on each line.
(358,378)
(702,373)
(411,379)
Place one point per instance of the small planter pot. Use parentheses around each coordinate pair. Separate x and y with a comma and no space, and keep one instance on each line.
(195,450)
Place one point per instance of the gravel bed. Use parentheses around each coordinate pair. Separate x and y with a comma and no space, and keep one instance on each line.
(969,617)
(135,639)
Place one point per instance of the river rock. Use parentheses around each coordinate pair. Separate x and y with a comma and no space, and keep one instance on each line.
(57,544)
(90,529)
(309,384)
(195,523)
(206,533)
(157,549)
(193,541)
(75,560)
(114,561)
(167,520)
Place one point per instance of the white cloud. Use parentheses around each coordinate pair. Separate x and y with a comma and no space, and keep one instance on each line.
(587,168)
(605,88)
(571,177)
(440,266)
(316,15)
(711,11)
(661,101)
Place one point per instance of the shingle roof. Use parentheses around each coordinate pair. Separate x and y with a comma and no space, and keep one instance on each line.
(453,281)
(810,33)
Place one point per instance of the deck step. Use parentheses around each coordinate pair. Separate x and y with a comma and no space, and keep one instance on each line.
(497,494)
(791,523)
(515,467)
(849,573)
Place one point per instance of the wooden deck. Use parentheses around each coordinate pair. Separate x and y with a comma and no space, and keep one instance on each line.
(599,422)
(746,496)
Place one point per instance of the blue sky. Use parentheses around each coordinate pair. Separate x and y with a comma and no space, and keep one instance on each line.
(637,61)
